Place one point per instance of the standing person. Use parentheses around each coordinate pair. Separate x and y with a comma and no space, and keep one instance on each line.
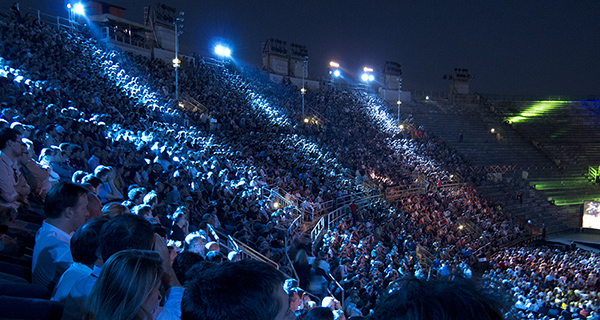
(66,211)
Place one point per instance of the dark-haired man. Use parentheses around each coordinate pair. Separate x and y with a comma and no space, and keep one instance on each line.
(85,245)
(247,289)
(66,211)
(13,185)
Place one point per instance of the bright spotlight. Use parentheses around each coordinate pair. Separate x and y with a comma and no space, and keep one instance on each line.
(364,77)
(493,130)
(367,69)
(371,77)
(79,9)
(337,73)
(305,120)
(222,51)
(334,64)
(401,127)
(427,98)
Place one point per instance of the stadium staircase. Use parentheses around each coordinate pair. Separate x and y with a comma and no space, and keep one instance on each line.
(546,156)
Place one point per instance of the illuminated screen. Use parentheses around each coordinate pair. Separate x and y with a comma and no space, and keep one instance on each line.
(591,214)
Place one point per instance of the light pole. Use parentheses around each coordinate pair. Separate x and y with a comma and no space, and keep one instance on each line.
(303,90)
(176,61)
(75,9)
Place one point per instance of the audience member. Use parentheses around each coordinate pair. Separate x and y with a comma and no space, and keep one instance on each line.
(66,210)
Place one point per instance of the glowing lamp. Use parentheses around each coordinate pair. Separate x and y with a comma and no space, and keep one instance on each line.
(222,51)
(79,9)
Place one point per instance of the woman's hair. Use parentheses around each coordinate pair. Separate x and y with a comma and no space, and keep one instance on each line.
(126,280)
(114,209)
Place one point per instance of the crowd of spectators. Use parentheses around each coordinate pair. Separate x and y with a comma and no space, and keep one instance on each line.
(107,128)
(547,282)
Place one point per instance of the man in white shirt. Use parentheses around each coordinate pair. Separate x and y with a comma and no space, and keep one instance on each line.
(66,210)
(13,186)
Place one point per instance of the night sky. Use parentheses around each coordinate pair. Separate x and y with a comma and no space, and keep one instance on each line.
(510,47)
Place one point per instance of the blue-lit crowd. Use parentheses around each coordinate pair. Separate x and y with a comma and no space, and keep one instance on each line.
(225,176)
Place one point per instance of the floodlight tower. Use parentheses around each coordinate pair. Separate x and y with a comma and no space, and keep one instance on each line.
(334,70)
(75,9)
(176,62)
(222,51)
(367,76)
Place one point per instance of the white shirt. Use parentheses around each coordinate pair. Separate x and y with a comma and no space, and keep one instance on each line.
(51,255)
(9,173)
(76,271)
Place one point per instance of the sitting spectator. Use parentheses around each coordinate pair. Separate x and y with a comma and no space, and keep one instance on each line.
(66,211)
(123,232)
(247,289)
(85,244)
(108,191)
(128,287)
(38,176)
(13,185)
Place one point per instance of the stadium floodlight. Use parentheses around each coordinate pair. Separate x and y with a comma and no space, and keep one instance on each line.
(336,73)
(79,9)
(364,77)
(371,77)
(223,51)
(334,64)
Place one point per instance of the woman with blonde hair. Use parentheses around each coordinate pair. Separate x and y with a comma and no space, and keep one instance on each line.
(128,287)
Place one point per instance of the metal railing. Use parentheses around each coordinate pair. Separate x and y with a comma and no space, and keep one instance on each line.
(57,21)
(394,193)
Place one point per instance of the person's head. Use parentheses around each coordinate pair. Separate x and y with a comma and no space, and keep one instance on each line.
(295,294)
(11,144)
(92,180)
(195,242)
(77,176)
(67,202)
(85,243)
(212,246)
(151,198)
(143,211)
(319,313)
(102,172)
(136,195)
(125,231)
(114,209)
(246,289)
(183,262)
(127,287)
(414,299)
